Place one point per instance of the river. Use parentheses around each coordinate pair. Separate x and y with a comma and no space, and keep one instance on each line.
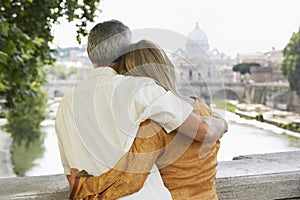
(243,137)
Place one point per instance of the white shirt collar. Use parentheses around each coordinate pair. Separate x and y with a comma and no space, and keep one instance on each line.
(102,71)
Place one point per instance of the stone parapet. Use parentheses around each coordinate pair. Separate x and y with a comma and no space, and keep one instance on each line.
(260,176)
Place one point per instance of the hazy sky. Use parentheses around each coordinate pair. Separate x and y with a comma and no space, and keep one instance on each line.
(232,26)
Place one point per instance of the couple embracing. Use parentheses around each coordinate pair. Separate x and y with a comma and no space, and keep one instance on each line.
(129,131)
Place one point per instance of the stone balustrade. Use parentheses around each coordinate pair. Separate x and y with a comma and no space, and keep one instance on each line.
(260,176)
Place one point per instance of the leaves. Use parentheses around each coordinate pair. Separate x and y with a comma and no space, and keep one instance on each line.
(25,35)
(3,57)
(244,68)
(290,66)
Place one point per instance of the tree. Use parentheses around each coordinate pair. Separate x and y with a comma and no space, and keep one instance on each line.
(244,68)
(25,38)
(60,71)
(290,65)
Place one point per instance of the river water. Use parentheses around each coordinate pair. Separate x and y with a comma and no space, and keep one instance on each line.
(243,137)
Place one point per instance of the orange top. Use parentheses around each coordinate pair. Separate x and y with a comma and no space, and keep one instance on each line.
(192,175)
(188,167)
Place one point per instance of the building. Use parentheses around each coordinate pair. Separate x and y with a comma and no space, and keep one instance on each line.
(197,63)
(270,66)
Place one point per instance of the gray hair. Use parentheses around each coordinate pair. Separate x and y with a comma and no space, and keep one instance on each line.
(107,41)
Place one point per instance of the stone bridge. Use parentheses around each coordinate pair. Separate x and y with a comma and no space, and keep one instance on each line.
(213,90)
(274,95)
(234,91)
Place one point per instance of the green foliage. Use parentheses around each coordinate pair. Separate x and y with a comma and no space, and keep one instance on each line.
(290,65)
(224,105)
(244,68)
(259,117)
(60,72)
(25,38)
(290,126)
(72,70)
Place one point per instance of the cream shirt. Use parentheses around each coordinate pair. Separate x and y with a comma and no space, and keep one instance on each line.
(97,122)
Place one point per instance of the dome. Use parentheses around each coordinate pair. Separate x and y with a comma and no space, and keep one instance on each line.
(199,37)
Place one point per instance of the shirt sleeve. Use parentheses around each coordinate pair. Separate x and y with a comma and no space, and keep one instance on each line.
(154,102)
(62,154)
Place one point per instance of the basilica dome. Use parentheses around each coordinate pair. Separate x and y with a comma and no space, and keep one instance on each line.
(197,38)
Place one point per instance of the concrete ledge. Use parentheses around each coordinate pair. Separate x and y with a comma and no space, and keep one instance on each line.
(35,187)
(260,176)
(268,186)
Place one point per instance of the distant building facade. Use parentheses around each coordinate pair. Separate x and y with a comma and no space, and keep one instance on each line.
(197,63)
(270,66)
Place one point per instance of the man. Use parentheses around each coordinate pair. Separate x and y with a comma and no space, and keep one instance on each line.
(97,122)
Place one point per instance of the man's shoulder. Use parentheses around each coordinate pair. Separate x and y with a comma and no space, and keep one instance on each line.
(68,95)
(134,78)
(66,98)
(133,81)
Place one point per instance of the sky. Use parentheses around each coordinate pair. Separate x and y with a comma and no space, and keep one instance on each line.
(232,26)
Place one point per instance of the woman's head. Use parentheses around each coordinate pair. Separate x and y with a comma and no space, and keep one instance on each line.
(147,59)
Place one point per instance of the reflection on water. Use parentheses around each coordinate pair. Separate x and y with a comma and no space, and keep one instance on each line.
(243,137)
(253,137)
(25,154)
(50,163)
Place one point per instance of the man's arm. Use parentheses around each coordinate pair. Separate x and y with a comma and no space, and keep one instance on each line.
(176,113)
(151,101)
(129,174)
(202,128)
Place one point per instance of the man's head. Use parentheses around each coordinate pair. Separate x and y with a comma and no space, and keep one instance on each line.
(107,41)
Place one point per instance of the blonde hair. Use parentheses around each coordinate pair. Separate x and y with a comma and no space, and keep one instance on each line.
(147,59)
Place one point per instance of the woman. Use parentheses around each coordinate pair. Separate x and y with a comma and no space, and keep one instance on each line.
(187,167)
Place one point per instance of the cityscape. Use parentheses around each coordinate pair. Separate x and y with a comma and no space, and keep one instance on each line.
(198,64)
(259,100)
(224,125)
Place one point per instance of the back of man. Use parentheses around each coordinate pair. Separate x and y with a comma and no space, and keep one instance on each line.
(90,129)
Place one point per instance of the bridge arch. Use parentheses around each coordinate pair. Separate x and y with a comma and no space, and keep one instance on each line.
(226,94)
(58,93)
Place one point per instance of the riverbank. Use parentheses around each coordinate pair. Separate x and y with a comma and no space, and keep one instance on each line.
(288,121)
(6,168)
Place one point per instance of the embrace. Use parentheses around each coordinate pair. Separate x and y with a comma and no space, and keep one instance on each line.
(126,133)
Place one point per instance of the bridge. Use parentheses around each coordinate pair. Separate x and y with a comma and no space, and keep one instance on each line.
(269,94)
(234,91)
(274,95)
(213,90)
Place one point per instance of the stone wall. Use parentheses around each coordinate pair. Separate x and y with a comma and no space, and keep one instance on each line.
(267,74)
(275,96)
(260,176)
